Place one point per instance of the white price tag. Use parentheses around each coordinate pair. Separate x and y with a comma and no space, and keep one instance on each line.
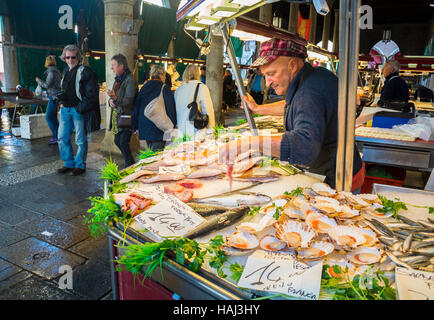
(414,284)
(280,272)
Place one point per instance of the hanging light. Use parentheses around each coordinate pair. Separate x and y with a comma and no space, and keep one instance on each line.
(247,3)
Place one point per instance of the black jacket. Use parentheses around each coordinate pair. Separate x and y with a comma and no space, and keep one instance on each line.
(395,88)
(88,94)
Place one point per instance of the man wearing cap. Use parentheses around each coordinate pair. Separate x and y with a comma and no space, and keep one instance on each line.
(309,111)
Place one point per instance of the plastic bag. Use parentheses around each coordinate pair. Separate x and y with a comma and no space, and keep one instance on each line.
(38,90)
(419,127)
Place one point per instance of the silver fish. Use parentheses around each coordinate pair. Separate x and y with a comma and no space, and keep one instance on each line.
(398,261)
(431,220)
(396,246)
(429,268)
(163,177)
(414,259)
(136,175)
(218,222)
(426,224)
(422,244)
(428,239)
(235,199)
(385,230)
(427,251)
(407,243)
(387,241)
(407,220)
(204,173)
(206,210)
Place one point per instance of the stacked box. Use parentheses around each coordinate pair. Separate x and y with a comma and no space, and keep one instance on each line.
(34,126)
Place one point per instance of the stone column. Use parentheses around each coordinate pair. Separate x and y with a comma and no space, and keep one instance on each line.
(266,13)
(336,32)
(293,18)
(214,75)
(326,27)
(10,61)
(312,31)
(120,37)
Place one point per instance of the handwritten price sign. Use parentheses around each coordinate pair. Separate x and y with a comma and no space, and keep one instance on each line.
(282,273)
(414,284)
(170,217)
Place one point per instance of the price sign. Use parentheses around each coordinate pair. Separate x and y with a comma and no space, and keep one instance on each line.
(280,272)
(170,217)
(414,284)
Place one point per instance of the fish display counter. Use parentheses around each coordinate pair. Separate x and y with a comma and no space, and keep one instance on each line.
(188,228)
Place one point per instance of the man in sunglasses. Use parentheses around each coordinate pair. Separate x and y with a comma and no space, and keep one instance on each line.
(79,110)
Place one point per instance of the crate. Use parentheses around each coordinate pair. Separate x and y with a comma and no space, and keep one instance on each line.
(398,175)
(34,126)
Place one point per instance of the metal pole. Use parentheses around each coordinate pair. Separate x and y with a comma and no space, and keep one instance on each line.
(237,74)
(348,66)
(352,92)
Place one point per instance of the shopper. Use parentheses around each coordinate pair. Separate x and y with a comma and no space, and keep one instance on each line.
(310,112)
(203,74)
(229,91)
(79,110)
(184,95)
(395,88)
(256,86)
(52,84)
(121,101)
(147,76)
(146,129)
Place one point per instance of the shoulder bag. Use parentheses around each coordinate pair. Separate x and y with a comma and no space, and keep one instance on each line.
(199,119)
(156,112)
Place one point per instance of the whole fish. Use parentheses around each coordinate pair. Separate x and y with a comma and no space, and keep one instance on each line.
(163,177)
(426,224)
(407,220)
(414,259)
(136,175)
(204,173)
(398,261)
(378,230)
(385,230)
(396,245)
(422,244)
(206,210)
(431,220)
(218,222)
(427,251)
(429,268)
(407,243)
(236,198)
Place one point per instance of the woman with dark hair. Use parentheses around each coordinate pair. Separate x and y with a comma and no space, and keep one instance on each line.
(52,84)
(122,103)
(147,130)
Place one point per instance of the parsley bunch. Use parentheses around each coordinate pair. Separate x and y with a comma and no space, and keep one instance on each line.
(391,206)
(369,285)
(217,256)
(289,169)
(295,193)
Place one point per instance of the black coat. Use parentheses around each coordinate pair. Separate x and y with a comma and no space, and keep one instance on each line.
(395,88)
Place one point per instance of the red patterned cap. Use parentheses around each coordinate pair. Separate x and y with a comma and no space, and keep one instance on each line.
(274,48)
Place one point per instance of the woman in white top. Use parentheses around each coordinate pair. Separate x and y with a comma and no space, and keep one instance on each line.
(185,94)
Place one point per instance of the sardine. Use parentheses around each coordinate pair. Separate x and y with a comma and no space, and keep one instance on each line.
(431,220)
(387,241)
(377,230)
(411,260)
(426,224)
(407,220)
(206,210)
(163,177)
(407,243)
(427,251)
(218,222)
(429,268)
(403,235)
(385,230)
(398,261)
(421,244)
(204,173)
(396,246)
(236,198)
(246,164)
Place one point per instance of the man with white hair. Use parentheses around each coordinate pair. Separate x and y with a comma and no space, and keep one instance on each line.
(395,88)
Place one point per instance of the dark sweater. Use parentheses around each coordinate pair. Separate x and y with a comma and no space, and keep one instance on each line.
(395,88)
(149,91)
(311,122)
(68,86)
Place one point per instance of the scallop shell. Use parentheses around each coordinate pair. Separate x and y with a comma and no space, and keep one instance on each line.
(352,199)
(270,208)
(320,222)
(369,198)
(317,250)
(370,236)
(295,234)
(346,212)
(328,205)
(347,236)
(271,243)
(299,202)
(250,227)
(242,240)
(323,189)
(230,251)
(364,255)
(372,210)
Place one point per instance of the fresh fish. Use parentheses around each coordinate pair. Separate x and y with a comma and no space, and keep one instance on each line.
(248,154)
(154,166)
(407,242)
(385,230)
(386,241)
(206,210)
(204,173)
(423,235)
(247,164)
(414,259)
(429,268)
(422,244)
(431,220)
(263,176)
(236,198)
(163,177)
(396,245)
(136,175)
(427,251)
(401,233)
(426,224)
(378,230)
(404,226)
(398,261)
(428,239)
(407,220)
(218,222)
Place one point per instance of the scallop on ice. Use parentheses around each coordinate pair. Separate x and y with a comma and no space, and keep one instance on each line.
(271,243)
(317,250)
(323,189)
(327,205)
(242,240)
(295,234)
(320,222)
(347,236)
(364,255)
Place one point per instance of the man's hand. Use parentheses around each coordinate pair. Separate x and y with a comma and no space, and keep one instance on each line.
(251,104)
(112,103)
(111,94)
(36,79)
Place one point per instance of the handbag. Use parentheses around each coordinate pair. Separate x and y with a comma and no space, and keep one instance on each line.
(199,119)
(124,121)
(155,111)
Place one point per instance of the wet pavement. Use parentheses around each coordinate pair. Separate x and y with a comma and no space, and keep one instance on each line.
(41,222)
